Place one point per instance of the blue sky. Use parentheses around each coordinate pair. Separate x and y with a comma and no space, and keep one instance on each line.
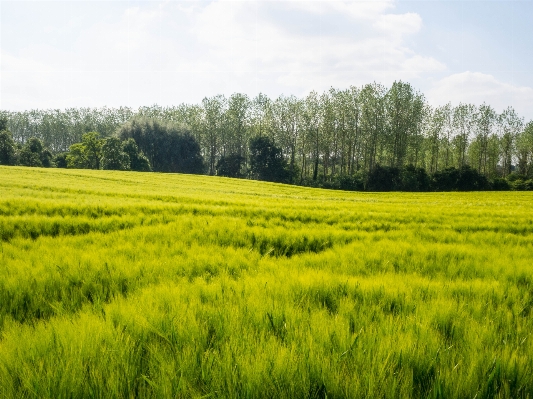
(59,54)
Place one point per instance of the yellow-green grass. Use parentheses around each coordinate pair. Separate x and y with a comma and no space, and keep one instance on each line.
(134,285)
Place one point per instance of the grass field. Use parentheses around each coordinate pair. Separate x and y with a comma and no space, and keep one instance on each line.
(131,285)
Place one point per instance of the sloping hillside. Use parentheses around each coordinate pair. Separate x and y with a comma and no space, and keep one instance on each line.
(124,284)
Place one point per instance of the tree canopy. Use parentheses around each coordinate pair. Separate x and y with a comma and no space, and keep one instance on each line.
(266,161)
(7,144)
(168,147)
(340,137)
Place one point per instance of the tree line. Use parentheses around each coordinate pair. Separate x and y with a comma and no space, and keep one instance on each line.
(370,137)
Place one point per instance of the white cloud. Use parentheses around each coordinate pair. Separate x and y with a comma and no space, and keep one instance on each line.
(257,43)
(175,52)
(125,44)
(362,9)
(398,24)
(477,88)
(21,63)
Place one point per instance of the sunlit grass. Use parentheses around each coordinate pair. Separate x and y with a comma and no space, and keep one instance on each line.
(122,285)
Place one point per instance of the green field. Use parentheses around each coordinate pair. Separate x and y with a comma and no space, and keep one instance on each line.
(132,285)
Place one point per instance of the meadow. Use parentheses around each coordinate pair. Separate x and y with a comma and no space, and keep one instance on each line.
(147,285)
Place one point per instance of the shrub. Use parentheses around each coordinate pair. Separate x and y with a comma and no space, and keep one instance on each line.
(266,161)
(230,166)
(168,147)
(383,178)
(499,184)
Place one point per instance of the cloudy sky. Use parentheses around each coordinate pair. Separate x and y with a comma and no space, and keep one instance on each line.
(59,54)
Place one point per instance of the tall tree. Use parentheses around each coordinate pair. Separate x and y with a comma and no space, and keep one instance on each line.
(373,124)
(33,153)
(113,155)
(510,125)
(287,111)
(93,149)
(401,116)
(524,147)
(230,166)
(4,119)
(354,129)
(259,108)
(341,149)
(266,161)
(328,131)
(311,135)
(7,144)
(214,110)
(463,122)
(76,157)
(434,137)
(485,121)
(138,161)
(237,124)
(447,137)
(168,147)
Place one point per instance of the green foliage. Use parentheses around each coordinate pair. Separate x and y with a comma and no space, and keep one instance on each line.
(408,178)
(92,147)
(60,160)
(384,178)
(322,138)
(33,153)
(3,123)
(500,184)
(354,182)
(266,161)
(522,185)
(414,179)
(230,165)
(87,154)
(47,158)
(122,284)
(113,156)
(516,176)
(76,157)
(138,160)
(7,147)
(445,180)
(185,155)
(519,182)
(29,158)
(169,148)
(463,179)
(35,145)
(524,146)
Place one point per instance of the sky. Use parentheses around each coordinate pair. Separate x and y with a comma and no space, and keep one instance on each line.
(63,54)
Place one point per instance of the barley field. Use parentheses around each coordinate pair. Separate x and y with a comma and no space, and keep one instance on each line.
(145,285)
